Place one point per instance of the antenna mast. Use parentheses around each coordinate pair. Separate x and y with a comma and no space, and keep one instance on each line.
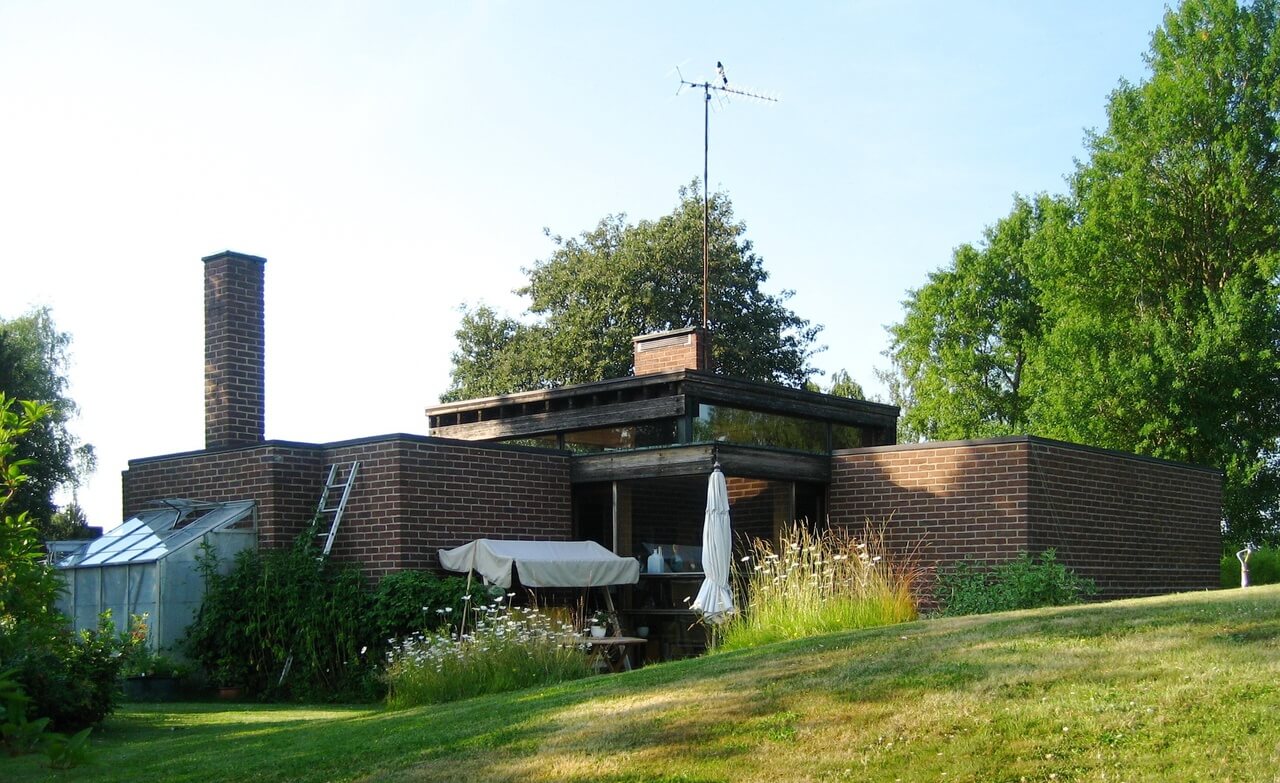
(722,87)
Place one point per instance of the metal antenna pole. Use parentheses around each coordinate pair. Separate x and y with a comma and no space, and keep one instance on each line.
(706,244)
(723,88)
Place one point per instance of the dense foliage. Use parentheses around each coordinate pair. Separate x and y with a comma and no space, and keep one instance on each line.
(1264,568)
(74,678)
(1141,310)
(619,280)
(1025,582)
(288,623)
(50,677)
(28,586)
(33,365)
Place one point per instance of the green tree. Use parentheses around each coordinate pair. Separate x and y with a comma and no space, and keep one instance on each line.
(619,280)
(1141,311)
(1164,298)
(960,353)
(33,366)
(841,384)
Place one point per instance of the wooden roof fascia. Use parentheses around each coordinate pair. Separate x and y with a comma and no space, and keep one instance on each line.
(781,399)
(614,415)
(697,460)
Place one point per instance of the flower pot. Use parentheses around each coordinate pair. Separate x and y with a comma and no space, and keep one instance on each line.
(597,631)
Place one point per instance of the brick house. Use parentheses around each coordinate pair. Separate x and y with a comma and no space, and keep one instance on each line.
(624,462)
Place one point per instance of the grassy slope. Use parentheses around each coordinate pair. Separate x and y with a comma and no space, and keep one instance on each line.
(1174,688)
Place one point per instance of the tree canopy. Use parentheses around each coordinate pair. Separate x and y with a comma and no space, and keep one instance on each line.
(1141,310)
(33,366)
(619,280)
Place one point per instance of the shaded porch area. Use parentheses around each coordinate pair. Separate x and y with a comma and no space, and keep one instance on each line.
(651,502)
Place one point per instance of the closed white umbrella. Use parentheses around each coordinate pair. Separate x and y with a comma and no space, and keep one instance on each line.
(715,599)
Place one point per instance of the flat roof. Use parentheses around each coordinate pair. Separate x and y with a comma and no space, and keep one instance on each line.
(638,398)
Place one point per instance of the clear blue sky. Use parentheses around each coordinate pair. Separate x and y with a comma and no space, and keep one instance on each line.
(395,160)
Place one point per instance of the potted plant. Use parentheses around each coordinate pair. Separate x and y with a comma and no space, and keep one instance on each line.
(229,677)
(153,676)
(599,624)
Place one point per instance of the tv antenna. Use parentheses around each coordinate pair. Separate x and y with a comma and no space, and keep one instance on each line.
(723,91)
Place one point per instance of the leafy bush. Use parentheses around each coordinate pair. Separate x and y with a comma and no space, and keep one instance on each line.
(507,649)
(58,678)
(293,609)
(1264,568)
(407,602)
(283,607)
(74,678)
(816,583)
(28,586)
(971,587)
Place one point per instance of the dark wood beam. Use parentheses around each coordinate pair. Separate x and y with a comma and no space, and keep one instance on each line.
(566,420)
(696,460)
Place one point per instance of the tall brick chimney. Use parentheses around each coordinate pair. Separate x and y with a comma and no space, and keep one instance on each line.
(234,350)
(679,349)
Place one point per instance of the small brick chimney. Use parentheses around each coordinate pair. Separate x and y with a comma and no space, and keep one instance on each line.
(234,350)
(679,349)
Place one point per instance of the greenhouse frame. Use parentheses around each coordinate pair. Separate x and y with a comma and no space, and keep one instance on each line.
(148,565)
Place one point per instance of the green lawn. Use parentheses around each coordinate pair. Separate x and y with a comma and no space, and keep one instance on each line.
(1175,688)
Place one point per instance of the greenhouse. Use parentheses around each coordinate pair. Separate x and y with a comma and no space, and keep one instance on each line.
(148,565)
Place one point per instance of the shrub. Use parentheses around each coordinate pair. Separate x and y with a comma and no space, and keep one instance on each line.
(74,678)
(816,583)
(507,649)
(281,608)
(291,609)
(1026,582)
(28,586)
(61,679)
(1264,568)
(406,602)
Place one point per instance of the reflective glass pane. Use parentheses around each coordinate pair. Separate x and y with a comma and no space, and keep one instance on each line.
(754,428)
(630,436)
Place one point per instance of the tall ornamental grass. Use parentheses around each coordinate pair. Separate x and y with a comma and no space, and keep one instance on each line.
(506,649)
(817,582)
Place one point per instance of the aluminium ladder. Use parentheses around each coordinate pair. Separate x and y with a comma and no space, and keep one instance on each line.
(341,476)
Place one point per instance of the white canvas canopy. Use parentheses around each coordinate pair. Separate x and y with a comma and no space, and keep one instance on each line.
(543,563)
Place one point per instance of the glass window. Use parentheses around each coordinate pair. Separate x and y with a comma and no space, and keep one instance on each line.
(754,428)
(630,436)
(844,436)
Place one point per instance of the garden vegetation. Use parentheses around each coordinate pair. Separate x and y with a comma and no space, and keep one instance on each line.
(290,623)
(815,583)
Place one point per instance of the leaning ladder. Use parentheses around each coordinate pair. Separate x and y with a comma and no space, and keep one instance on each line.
(341,476)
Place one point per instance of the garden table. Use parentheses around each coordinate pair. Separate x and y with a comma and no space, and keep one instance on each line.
(612,650)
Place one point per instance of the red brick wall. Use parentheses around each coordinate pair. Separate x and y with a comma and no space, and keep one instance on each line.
(413,495)
(944,501)
(751,505)
(1137,526)
(992,499)
(283,478)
